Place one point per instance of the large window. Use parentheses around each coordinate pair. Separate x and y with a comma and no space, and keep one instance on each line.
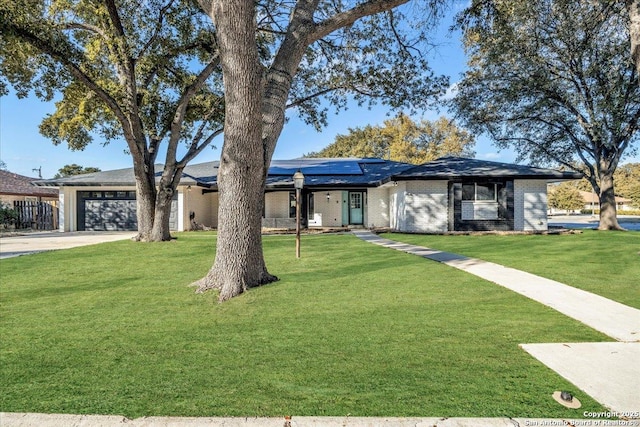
(477,192)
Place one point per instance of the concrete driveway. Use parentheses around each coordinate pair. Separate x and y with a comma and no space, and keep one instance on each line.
(47,241)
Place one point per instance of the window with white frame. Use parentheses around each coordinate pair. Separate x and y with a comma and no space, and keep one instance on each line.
(479,192)
(479,201)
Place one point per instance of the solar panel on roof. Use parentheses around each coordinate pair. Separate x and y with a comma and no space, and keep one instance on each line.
(316,167)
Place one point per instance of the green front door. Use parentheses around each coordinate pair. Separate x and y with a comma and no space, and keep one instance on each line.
(356,208)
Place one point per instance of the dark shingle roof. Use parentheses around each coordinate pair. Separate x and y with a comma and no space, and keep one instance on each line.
(353,172)
(460,168)
(20,185)
(333,172)
(192,175)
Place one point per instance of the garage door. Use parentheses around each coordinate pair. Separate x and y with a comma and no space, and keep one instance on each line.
(107,210)
(112,211)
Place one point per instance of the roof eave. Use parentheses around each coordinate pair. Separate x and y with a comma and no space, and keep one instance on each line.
(470,177)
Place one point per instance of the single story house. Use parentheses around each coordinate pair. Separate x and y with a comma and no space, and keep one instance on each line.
(447,194)
(19,188)
(592,201)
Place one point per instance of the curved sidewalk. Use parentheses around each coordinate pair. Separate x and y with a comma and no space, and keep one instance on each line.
(609,372)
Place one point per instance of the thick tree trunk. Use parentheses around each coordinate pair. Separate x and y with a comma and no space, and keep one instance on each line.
(160,231)
(166,190)
(239,263)
(634,31)
(145,200)
(608,211)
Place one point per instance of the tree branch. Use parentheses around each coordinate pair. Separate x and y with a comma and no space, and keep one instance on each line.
(298,102)
(158,28)
(350,16)
(83,26)
(183,103)
(48,48)
(194,150)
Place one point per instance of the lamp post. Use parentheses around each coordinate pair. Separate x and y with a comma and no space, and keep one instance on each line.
(298,183)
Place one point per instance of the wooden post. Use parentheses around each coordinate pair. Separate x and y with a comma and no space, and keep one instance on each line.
(297,223)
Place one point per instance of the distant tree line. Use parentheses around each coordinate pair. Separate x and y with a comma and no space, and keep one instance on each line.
(73,169)
(566,196)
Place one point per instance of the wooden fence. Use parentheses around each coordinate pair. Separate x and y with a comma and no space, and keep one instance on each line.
(36,215)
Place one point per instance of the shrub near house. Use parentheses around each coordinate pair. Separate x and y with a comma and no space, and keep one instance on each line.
(8,216)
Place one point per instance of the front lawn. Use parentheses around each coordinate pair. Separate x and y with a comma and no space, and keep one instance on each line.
(351,328)
(606,263)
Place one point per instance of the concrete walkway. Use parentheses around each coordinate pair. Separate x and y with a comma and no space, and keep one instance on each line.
(616,320)
(32,243)
(608,372)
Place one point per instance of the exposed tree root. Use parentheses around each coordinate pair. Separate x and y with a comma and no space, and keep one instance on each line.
(209,283)
(616,227)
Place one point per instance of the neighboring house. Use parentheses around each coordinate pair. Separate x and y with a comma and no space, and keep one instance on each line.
(444,195)
(14,187)
(35,206)
(592,202)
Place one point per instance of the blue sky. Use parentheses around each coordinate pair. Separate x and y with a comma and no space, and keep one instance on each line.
(23,149)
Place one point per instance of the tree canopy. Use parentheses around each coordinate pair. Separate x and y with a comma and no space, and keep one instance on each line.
(138,71)
(74,169)
(403,140)
(553,80)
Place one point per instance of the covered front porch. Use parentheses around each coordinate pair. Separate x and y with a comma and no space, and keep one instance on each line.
(324,208)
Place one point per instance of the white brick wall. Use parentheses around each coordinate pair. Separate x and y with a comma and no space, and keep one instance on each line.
(397,206)
(378,207)
(205,206)
(423,206)
(276,204)
(331,209)
(530,204)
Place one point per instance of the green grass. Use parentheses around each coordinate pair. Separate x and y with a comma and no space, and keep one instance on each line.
(606,263)
(351,328)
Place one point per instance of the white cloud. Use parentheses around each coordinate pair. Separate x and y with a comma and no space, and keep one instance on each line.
(452,90)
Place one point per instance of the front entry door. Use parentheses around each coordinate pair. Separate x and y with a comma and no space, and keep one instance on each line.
(356,208)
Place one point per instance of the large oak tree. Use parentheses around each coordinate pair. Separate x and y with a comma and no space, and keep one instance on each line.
(125,69)
(280,54)
(553,80)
